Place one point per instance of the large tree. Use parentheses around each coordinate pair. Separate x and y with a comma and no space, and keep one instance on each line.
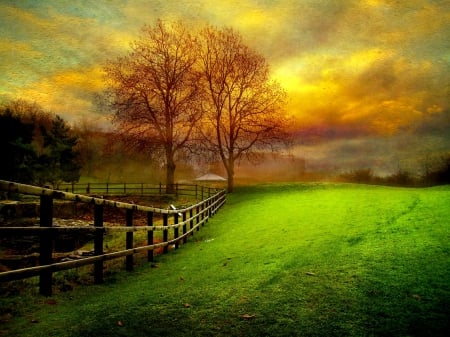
(243,106)
(155,92)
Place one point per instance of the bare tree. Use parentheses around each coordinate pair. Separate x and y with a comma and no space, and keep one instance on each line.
(154,91)
(243,107)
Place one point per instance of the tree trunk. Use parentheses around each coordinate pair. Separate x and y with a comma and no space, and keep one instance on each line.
(230,183)
(229,165)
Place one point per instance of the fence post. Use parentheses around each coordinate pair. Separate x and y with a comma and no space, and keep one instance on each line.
(98,243)
(217,203)
(211,207)
(165,232)
(150,236)
(214,205)
(203,213)
(129,243)
(198,217)
(176,230)
(46,245)
(184,227)
(191,223)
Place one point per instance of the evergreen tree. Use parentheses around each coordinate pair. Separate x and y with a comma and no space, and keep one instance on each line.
(59,161)
(35,147)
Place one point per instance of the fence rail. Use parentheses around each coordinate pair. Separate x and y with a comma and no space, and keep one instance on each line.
(142,189)
(188,219)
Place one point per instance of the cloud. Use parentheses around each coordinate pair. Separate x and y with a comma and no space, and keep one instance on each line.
(377,90)
(52,55)
(365,65)
(69,92)
(16,53)
(385,155)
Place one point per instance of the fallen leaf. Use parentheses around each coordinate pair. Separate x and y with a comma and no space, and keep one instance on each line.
(417,297)
(120,323)
(248,316)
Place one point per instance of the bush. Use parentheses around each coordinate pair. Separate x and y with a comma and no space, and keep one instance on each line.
(360,176)
(440,175)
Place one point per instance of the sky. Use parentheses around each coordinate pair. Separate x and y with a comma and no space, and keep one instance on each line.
(368,81)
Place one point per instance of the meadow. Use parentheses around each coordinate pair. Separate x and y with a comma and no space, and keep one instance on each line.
(277,260)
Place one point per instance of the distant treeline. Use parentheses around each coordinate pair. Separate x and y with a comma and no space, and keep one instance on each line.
(439,175)
(41,148)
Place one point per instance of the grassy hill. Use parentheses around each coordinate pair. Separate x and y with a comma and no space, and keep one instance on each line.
(277,260)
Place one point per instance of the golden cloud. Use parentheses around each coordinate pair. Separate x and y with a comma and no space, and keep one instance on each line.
(374,89)
(70,92)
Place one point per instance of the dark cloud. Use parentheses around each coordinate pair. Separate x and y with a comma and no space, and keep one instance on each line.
(435,123)
(384,155)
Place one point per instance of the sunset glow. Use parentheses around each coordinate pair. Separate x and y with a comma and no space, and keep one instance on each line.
(363,70)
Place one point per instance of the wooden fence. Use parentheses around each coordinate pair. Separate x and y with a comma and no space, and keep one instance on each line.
(183,222)
(141,189)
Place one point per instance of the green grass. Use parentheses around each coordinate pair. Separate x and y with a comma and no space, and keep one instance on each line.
(277,260)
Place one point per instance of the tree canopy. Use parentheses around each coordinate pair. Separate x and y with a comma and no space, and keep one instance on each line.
(179,89)
(154,91)
(243,107)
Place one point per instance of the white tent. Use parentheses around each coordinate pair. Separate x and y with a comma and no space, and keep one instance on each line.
(210,177)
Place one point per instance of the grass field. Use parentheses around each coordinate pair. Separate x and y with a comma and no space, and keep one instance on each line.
(277,260)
